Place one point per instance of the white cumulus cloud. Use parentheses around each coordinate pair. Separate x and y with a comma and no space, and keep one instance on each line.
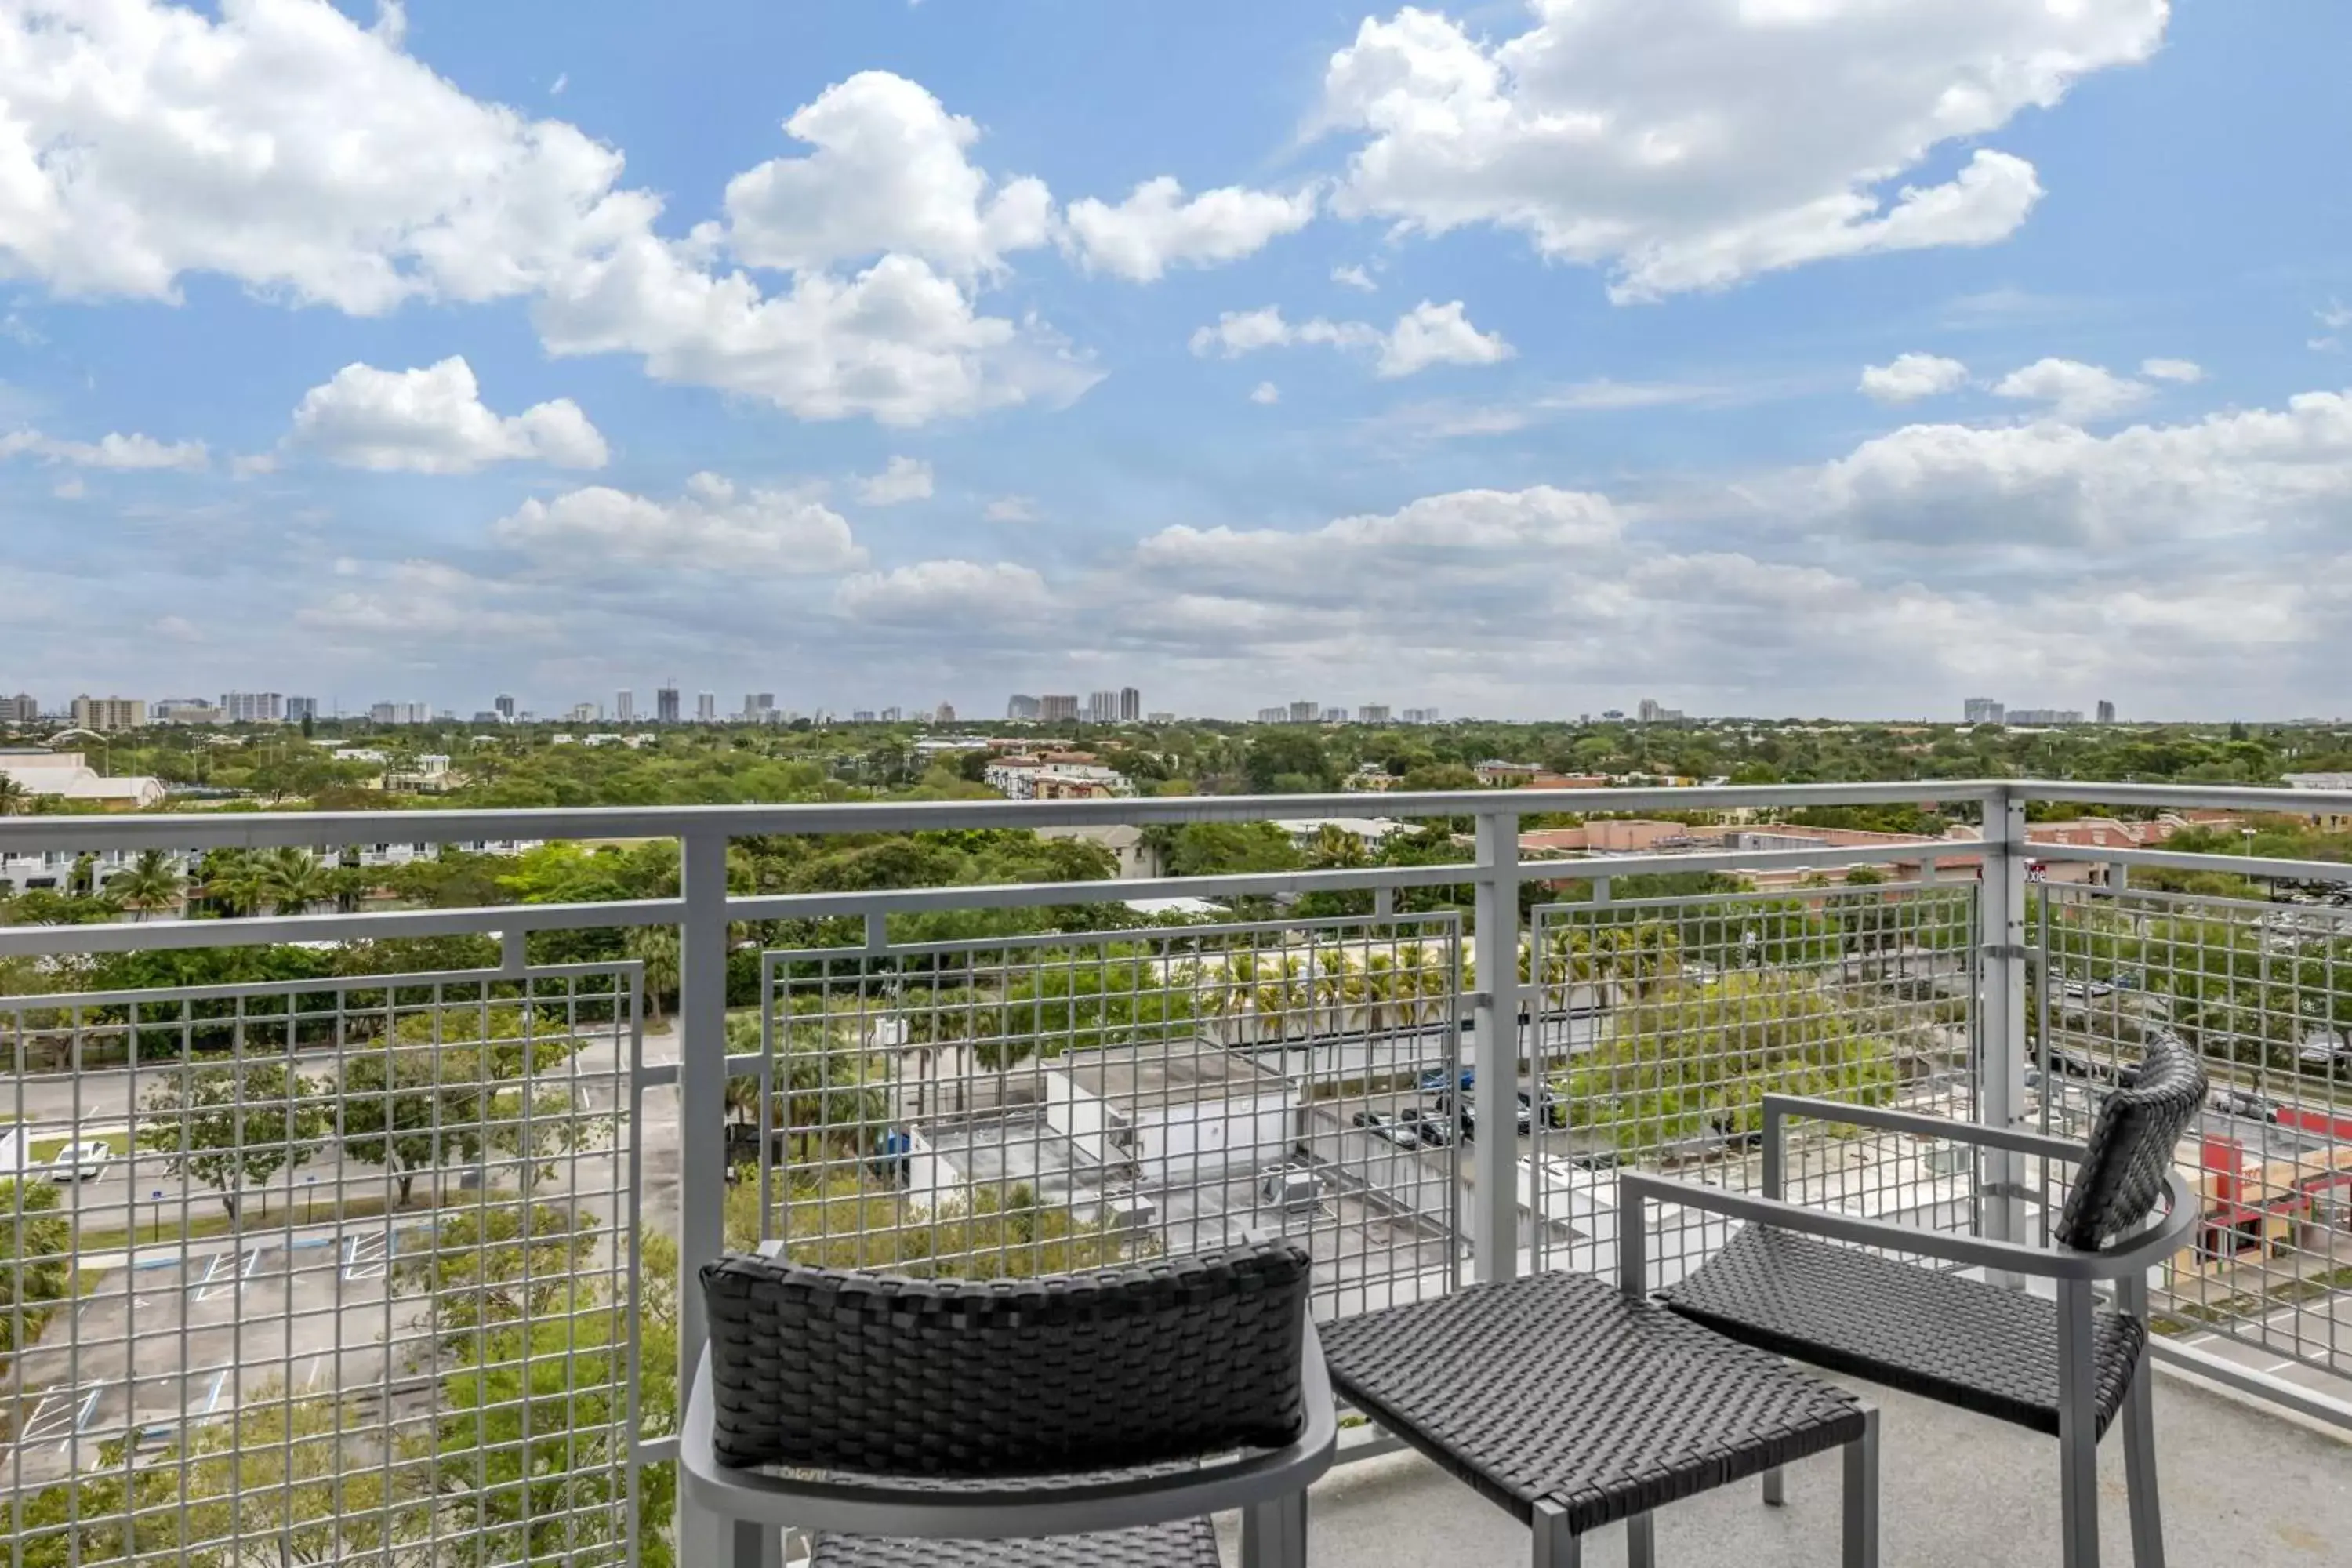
(1354,278)
(1156,228)
(113,450)
(1690,146)
(902,479)
(1266,392)
(2074,392)
(712,528)
(930,593)
(280,144)
(433,421)
(1910,377)
(1432,334)
(1426,335)
(2183,370)
(891,172)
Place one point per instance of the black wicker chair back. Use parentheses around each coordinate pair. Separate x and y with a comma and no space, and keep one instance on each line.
(883,1374)
(2131,1147)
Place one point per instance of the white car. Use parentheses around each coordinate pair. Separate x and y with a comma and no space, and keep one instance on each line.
(80,1161)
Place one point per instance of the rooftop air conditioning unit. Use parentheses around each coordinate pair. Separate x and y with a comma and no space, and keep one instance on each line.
(1131,1215)
(1944,1158)
(1288,1188)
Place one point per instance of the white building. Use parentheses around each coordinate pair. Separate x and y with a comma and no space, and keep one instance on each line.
(105,714)
(1370,831)
(63,775)
(401,713)
(253,707)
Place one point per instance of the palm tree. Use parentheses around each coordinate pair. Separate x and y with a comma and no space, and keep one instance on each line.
(293,880)
(15,798)
(154,882)
(656,947)
(232,882)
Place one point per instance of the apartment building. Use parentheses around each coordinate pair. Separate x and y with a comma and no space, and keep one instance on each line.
(105,714)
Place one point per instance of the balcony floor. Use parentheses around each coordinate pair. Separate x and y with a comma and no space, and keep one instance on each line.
(2240,1487)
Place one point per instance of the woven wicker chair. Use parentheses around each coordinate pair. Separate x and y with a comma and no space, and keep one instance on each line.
(1094,1419)
(2065,1367)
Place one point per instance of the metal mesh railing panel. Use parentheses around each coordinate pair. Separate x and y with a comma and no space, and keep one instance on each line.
(1662,1023)
(1041,1104)
(325,1271)
(2264,992)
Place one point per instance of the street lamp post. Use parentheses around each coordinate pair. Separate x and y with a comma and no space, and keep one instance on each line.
(310,1196)
(157,1198)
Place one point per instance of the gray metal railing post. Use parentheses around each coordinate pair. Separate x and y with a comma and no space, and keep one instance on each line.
(702,1113)
(1495,1210)
(2001,1070)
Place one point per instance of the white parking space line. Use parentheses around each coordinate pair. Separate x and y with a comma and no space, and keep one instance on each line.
(61,1416)
(364,1256)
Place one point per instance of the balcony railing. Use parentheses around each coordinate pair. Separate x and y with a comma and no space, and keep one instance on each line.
(398,1268)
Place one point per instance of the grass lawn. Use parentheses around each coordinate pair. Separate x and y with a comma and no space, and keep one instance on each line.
(41,1150)
(203,1227)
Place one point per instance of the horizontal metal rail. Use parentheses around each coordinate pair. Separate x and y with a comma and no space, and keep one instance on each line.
(266,829)
(2186,797)
(141,936)
(2184,860)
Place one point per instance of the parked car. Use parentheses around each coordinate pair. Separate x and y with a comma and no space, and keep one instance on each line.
(1434,1128)
(2240,1102)
(1380,1124)
(1435,1078)
(2070,1064)
(1467,1111)
(78,1161)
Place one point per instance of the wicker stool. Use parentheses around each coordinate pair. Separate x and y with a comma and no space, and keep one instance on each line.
(1573,1406)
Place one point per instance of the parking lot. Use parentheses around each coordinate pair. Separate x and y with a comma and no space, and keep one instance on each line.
(179,1341)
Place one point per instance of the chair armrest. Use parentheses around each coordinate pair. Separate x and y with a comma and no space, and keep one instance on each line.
(2159,1241)
(1018,1509)
(1777,1106)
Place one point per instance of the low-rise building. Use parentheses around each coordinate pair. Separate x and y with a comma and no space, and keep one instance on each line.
(1128,845)
(1371,832)
(64,776)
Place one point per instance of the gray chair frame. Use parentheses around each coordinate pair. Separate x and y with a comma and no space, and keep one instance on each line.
(1268,1486)
(2076,1273)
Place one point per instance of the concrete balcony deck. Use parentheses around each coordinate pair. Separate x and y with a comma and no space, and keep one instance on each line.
(2242,1488)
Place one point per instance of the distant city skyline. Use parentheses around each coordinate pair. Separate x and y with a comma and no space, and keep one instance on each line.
(1121,704)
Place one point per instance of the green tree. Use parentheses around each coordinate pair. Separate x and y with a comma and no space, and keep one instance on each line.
(291,1481)
(15,798)
(154,882)
(1229,848)
(292,880)
(537,1436)
(830,1091)
(495,1264)
(411,1111)
(233,1127)
(1696,1060)
(1287,761)
(656,947)
(232,882)
(36,1259)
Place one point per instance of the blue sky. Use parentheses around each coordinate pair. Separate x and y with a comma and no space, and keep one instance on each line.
(1767,356)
